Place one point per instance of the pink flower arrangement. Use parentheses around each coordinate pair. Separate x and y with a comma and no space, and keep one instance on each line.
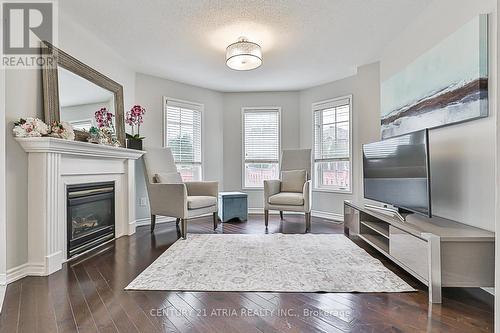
(104,118)
(135,118)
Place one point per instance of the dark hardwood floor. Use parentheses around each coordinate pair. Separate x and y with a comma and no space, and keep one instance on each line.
(88,296)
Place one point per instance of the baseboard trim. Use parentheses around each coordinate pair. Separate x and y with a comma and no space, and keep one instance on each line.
(24,270)
(131,229)
(3,289)
(53,262)
(159,219)
(257,211)
(316,213)
(328,215)
(334,217)
(489,290)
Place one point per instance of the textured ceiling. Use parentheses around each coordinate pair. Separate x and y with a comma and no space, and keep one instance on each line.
(305,43)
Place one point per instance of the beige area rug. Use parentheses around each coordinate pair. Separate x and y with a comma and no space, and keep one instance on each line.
(277,262)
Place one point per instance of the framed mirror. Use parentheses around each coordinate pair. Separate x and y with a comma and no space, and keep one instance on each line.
(74,91)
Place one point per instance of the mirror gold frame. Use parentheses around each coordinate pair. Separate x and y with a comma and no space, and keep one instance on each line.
(54,58)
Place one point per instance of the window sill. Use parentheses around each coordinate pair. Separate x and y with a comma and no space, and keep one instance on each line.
(252,189)
(347,192)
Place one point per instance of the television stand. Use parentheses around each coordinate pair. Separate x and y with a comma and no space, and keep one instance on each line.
(436,251)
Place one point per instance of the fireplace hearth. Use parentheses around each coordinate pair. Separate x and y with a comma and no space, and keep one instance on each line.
(91,216)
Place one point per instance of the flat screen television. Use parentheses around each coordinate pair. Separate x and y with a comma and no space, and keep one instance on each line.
(396,172)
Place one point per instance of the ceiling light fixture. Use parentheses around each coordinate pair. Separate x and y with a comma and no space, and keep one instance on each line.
(243,55)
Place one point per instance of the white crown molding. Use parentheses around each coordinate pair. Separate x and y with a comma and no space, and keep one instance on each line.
(54,145)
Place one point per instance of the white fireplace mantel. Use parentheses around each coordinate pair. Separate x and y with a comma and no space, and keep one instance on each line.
(67,147)
(53,164)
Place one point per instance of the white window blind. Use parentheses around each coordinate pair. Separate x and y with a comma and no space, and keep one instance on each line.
(332,150)
(183,128)
(261,145)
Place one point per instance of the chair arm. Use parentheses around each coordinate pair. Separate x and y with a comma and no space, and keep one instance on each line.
(168,200)
(203,188)
(271,187)
(306,191)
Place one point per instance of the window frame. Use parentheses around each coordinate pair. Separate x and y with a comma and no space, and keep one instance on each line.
(242,128)
(199,107)
(316,106)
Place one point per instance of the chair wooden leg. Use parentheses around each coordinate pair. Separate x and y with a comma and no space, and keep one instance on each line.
(184,228)
(281,214)
(215,220)
(153,222)
(177,221)
(266,217)
(308,222)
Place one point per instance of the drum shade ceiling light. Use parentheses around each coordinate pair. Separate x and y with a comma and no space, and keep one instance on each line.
(243,55)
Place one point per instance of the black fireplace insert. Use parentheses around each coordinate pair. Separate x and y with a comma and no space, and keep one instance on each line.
(91,216)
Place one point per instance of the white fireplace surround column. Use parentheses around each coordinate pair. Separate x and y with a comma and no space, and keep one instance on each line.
(53,164)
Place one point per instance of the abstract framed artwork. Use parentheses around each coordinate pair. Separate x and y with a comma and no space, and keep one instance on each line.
(448,84)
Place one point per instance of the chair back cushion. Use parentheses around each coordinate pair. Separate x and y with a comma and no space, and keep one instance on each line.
(293,180)
(167,178)
(158,160)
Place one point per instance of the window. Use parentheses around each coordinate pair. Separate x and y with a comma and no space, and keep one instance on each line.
(182,128)
(332,145)
(261,145)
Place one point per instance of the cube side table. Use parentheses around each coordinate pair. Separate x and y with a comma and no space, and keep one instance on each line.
(233,205)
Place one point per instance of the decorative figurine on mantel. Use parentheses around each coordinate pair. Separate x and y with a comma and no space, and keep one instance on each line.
(93,135)
(105,132)
(135,118)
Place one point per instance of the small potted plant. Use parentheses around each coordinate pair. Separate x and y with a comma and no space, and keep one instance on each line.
(135,119)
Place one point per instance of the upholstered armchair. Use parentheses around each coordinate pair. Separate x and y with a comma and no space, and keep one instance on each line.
(293,191)
(170,196)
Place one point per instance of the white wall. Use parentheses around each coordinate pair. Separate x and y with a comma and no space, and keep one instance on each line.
(365,90)
(149,92)
(497,198)
(24,99)
(462,156)
(233,102)
(296,116)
